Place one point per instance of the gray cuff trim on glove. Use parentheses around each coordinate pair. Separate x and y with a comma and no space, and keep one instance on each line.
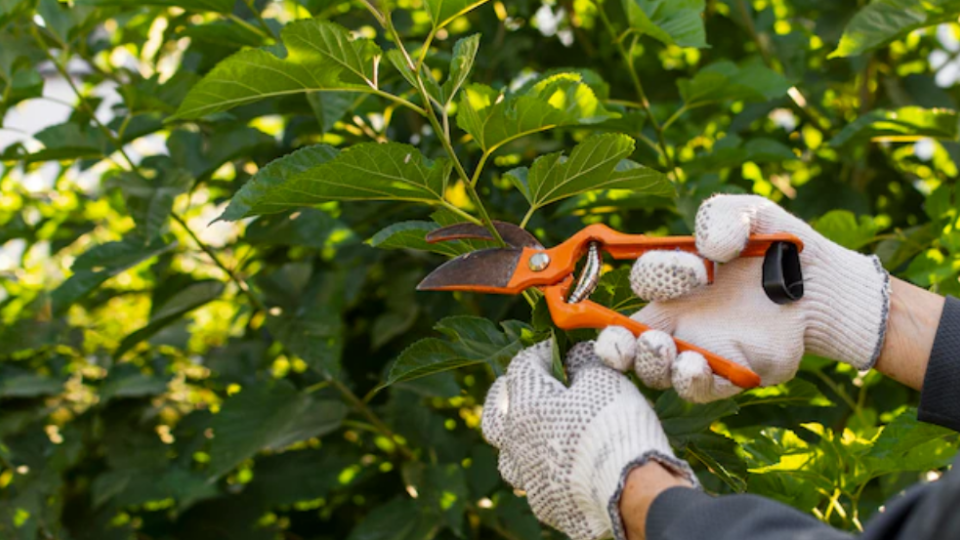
(882,334)
(676,465)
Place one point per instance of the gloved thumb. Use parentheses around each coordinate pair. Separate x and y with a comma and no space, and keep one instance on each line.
(495,409)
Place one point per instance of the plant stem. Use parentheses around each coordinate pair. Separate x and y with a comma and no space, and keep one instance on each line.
(261,20)
(444,140)
(527,216)
(397,99)
(372,418)
(249,26)
(641,94)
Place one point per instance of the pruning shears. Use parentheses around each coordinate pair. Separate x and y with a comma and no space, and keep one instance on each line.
(525,263)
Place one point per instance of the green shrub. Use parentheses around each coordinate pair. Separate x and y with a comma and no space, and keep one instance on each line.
(279,377)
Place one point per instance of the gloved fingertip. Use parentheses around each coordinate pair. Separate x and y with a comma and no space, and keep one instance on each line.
(665,275)
(495,408)
(692,377)
(656,352)
(617,347)
(723,226)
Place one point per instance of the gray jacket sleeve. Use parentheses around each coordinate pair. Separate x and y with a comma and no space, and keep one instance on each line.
(925,512)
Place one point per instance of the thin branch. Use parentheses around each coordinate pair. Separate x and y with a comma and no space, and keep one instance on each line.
(261,20)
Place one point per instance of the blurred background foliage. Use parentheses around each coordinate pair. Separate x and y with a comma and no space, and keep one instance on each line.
(277,376)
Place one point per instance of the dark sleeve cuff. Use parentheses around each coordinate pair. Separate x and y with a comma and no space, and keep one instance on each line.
(685,514)
(940,397)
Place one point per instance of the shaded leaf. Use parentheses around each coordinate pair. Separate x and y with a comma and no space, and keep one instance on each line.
(399,519)
(725,80)
(264,417)
(842,227)
(368,171)
(906,444)
(471,340)
(330,107)
(560,100)
(675,22)
(320,56)
(464,54)
(903,124)
(883,21)
(442,12)
(307,227)
(220,6)
(150,201)
(315,335)
(410,235)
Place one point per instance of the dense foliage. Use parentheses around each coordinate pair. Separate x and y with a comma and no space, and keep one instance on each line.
(209,322)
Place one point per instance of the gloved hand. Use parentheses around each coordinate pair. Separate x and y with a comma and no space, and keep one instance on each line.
(842,315)
(571,448)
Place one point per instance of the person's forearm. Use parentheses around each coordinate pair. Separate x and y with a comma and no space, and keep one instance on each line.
(911,329)
(643,485)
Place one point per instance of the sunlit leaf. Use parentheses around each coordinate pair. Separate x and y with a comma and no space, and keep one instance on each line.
(320,56)
(903,124)
(883,21)
(410,235)
(677,22)
(842,227)
(494,119)
(442,12)
(221,6)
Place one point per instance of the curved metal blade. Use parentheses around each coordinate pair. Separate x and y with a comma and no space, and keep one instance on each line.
(513,235)
(486,270)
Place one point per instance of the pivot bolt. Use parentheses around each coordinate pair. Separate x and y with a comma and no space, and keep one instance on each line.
(539,261)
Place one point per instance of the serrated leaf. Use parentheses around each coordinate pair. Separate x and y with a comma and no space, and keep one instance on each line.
(796,392)
(308,227)
(100,263)
(184,301)
(724,80)
(614,291)
(903,124)
(399,519)
(220,6)
(224,34)
(471,340)
(494,120)
(28,385)
(263,417)
(410,235)
(675,22)
(70,140)
(330,107)
(883,21)
(681,419)
(320,56)
(368,171)
(596,163)
(906,444)
(442,12)
(842,227)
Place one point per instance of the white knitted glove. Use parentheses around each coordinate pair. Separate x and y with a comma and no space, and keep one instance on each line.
(842,315)
(571,448)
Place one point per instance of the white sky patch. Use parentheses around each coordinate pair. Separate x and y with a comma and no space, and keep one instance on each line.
(924,149)
(784,118)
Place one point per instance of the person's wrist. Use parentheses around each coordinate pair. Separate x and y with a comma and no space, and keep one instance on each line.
(643,485)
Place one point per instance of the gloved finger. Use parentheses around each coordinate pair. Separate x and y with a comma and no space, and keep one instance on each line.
(495,409)
(617,347)
(529,375)
(724,224)
(665,275)
(656,354)
(694,381)
(582,359)
(658,316)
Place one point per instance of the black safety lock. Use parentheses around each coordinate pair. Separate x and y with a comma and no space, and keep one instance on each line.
(782,276)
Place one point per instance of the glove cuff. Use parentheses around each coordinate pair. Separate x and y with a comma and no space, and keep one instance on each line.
(848,296)
(676,466)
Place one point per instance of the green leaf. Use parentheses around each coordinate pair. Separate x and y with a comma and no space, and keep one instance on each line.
(320,56)
(224,34)
(794,393)
(28,385)
(901,125)
(596,163)
(672,22)
(150,201)
(220,6)
(330,107)
(442,12)
(70,140)
(308,227)
(410,235)
(614,292)
(906,444)
(100,263)
(268,417)
(842,227)
(368,171)
(399,519)
(471,340)
(725,80)
(315,335)
(184,301)
(303,475)
(464,54)
(494,120)
(883,21)
(681,419)
(730,152)
(441,491)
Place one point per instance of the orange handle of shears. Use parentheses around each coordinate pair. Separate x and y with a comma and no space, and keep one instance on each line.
(588,314)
